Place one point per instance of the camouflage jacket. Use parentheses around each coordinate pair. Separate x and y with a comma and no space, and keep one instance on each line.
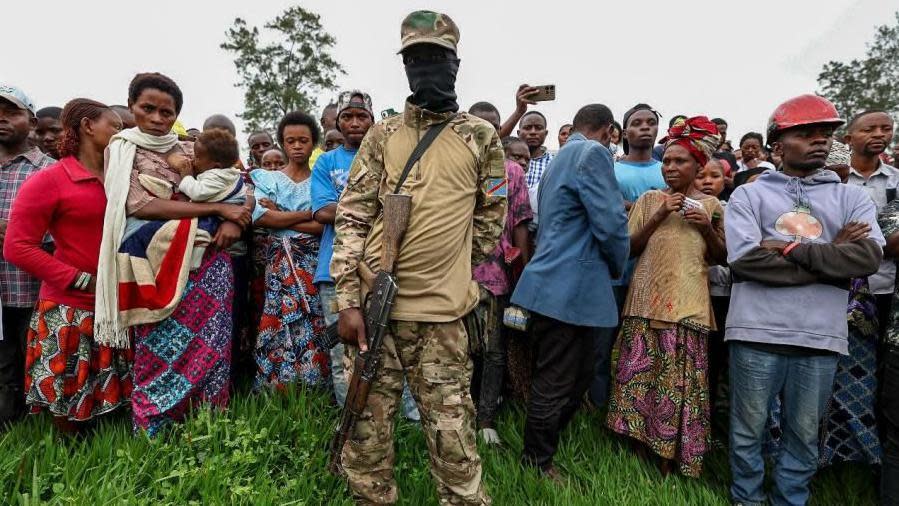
(458,193)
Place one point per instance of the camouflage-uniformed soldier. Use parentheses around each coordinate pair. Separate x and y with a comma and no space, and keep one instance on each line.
(458,193)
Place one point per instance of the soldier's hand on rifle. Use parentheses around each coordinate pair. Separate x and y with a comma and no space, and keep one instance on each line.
(351,328)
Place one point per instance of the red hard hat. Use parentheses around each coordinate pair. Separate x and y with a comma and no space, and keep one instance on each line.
(802,110)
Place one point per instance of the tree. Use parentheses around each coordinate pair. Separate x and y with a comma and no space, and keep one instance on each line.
(285,74)
(869,83)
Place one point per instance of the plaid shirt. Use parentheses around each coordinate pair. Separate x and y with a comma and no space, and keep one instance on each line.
(18,289)
(536,168)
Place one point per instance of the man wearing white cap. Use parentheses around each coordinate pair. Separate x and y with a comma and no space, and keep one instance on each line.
(18,290)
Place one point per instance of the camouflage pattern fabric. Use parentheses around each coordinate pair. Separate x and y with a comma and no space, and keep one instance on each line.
(434,359)
(345,101)
(358,212)
(429,27)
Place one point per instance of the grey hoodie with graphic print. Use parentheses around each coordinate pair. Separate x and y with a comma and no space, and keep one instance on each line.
(799,299)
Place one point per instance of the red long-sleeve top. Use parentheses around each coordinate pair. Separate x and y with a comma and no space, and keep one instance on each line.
(69,202)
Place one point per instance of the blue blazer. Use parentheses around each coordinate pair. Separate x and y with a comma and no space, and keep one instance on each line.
(582,239)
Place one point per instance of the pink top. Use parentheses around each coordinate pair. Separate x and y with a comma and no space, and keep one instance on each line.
(69,202)
(492,274)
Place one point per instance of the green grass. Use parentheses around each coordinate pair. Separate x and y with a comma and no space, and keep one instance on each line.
(270,449)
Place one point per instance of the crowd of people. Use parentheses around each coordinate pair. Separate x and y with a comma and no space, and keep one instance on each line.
(692,290)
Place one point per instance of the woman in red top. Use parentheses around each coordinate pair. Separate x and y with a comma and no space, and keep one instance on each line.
(67,373)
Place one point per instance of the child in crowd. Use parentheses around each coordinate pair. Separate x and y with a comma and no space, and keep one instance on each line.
(333,140)
(710,181)
(212,176)
(274,159)
(209,177)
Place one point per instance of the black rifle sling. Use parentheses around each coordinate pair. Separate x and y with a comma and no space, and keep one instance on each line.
(419,150)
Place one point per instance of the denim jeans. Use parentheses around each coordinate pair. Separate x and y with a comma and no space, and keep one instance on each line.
(329,310)
(805,383)
(328,297)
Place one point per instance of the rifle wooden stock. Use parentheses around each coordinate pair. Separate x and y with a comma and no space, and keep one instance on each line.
(359,386)
(396,219)
(377,318)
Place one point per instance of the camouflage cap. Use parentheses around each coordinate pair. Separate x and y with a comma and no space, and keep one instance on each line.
(350,99)
(429,27)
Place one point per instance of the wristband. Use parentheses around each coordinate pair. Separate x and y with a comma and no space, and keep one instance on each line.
(789,247)
(84,279)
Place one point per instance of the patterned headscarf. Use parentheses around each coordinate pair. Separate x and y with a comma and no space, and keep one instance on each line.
(839,154)
(697,135)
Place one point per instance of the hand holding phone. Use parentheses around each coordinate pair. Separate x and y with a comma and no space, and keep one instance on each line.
(544,93)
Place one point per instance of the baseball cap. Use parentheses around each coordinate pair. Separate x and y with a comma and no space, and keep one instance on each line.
(429,27)
(350,99)
(18,97)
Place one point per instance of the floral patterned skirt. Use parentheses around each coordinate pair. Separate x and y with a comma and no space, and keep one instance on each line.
(185,359)
(660,395)
(291,318)
(66,371)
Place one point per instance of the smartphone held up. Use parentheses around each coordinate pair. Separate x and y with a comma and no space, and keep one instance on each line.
(544,93)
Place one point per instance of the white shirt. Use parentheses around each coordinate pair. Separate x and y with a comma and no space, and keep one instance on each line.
(881,186)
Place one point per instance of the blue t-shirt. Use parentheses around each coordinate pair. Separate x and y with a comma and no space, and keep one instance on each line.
(329,177)
(635,179)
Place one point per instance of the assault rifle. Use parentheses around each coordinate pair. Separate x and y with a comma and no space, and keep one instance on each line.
(379,302)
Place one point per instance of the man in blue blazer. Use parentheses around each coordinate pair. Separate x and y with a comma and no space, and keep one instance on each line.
(582,245)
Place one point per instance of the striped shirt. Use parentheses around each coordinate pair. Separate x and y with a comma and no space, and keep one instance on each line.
(18,289)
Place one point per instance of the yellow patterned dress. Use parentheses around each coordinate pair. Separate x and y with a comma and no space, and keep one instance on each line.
(660,395)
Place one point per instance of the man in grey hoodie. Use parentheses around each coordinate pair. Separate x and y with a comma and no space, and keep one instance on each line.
(794,239)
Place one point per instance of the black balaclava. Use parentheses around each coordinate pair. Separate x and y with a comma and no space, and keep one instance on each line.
(433,81)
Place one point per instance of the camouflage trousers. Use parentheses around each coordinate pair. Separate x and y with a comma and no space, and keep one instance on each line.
(434,359)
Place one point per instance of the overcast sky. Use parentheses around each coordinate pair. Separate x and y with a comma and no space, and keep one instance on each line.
(736,60)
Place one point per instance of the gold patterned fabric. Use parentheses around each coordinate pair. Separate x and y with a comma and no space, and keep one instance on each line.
(670,283)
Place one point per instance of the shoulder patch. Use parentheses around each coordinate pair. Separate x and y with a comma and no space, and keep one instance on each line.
(496,187)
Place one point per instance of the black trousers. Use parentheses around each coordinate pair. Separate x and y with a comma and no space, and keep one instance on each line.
(12,362)
(889,429)
(490,364)
(717,351)
(605,341)
(565,364)
(884,303)
(243,365)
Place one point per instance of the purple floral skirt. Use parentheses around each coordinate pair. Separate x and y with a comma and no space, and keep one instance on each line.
(661,393)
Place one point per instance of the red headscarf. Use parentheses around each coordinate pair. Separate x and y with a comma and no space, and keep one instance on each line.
(697,135)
